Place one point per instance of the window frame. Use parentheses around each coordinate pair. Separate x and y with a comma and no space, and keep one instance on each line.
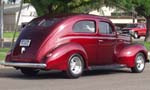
(73,27)
(112,28)
(41,22)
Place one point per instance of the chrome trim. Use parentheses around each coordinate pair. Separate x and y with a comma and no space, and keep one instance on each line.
(112,66)
(27,65)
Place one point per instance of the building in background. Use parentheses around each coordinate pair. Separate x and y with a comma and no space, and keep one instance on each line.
(117,16)
(11,13)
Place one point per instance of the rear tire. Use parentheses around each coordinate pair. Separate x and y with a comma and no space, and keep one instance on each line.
(139,63)
(75,66)
(29,71)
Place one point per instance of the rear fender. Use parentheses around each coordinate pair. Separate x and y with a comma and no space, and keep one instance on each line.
(127,54)
(58,58)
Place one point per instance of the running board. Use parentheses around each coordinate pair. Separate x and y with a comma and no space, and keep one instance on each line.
(113,66)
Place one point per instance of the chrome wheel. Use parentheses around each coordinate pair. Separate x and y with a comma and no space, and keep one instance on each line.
(75,66)
(139,63)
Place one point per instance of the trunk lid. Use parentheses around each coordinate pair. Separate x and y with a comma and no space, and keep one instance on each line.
(31,38)
(28,52)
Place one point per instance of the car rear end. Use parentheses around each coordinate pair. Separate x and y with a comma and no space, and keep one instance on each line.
(25,53)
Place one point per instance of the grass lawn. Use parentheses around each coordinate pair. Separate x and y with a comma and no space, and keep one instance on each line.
(3,52)
(147,45)
(10,34)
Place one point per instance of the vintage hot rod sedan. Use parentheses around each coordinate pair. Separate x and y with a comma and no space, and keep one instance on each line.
(73,43)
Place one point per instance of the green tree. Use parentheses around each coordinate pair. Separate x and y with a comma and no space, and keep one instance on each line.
(65,6)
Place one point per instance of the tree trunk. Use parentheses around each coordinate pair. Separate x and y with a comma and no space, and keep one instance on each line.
(50,8)
(147,37)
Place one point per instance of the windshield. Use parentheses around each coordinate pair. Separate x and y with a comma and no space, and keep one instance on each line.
(131,26)
(43,22)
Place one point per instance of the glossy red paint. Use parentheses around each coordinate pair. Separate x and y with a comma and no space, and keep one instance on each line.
(54,45)
(128,54)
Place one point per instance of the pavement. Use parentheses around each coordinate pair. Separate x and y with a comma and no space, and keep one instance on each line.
(110,79)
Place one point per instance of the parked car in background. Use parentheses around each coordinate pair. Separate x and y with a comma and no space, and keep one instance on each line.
(136,30)
(73,43)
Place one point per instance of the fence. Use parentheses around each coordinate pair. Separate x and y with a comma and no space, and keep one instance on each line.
(9,27)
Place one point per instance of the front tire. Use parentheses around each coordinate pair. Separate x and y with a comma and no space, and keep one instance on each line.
(139,63)
(75,66)
(29,71)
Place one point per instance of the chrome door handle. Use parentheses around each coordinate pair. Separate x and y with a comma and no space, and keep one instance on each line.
(100,40)
(120,40)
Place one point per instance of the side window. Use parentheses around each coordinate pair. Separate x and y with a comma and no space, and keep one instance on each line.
(105,28)
(84,27)
(140,26)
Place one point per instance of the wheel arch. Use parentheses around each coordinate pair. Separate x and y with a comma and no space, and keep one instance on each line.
(84,60)
(61,55)
(145,55)
(127,54)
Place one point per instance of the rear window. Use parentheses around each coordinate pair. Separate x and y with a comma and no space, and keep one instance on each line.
(43,22)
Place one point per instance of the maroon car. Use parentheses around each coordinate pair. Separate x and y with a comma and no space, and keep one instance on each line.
(72,43)
(136,30)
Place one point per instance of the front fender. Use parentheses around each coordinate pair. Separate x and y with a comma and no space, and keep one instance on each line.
(58,58)
(127,54)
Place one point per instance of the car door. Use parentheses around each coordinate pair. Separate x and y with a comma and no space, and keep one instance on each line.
(85,35)
(106,43)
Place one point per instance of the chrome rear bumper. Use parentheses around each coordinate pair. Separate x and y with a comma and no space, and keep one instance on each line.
(26,65)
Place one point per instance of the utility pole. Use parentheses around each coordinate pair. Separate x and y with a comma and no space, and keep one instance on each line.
(1,22)
(16,25)
(134,15)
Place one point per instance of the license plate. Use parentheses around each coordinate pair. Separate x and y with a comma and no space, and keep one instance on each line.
(25,42)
